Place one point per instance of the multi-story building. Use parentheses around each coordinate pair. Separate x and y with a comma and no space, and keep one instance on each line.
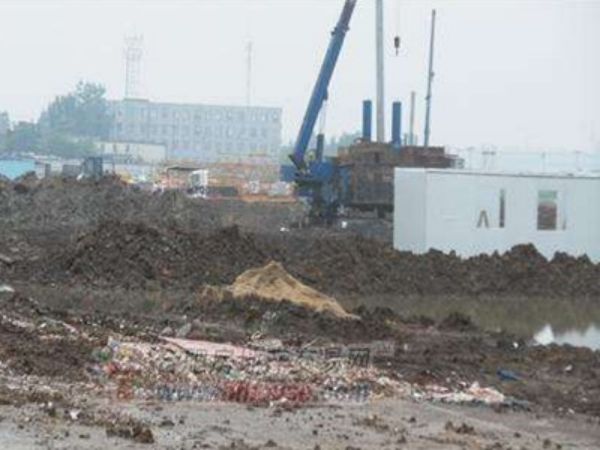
(203,133)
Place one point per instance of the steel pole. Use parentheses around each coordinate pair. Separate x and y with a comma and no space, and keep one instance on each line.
(430,75)
(380,71)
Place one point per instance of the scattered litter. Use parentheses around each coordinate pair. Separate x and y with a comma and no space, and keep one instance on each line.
(6,259)
(211,349)
(507,375)
(6,288)
(473,394)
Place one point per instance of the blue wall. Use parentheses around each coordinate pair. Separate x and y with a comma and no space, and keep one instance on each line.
(13,168)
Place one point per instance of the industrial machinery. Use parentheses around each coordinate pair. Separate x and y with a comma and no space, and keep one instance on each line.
(316,178)
(361,176)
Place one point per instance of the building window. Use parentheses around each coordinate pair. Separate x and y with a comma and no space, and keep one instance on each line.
(547,212)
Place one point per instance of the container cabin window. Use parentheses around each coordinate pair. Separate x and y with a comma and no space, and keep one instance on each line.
(547,213)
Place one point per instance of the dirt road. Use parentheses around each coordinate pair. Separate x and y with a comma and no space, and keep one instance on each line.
(387,424)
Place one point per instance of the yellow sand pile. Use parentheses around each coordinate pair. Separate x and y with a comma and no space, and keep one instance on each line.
(272,282)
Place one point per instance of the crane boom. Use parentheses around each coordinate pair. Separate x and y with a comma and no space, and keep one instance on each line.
(319,93)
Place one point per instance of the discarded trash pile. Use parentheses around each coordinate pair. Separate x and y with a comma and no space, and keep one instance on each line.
(132,254)
(262,370)
(264,373)
(180,369)
(270,353)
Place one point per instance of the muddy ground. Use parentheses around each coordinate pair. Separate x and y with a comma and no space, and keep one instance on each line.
(89,261)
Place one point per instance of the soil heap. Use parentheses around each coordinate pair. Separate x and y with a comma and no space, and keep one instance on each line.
(105,233)
(273,283)
(74,206)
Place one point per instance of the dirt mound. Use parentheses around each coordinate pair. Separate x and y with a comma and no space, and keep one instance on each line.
(28,346)
(272,282)
(288,321)
(79,205)
(133,254)
(355,265)
(28,353)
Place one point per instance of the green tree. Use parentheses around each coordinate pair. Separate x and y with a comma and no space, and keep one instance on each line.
(82,113)
(61,144)
(24,137)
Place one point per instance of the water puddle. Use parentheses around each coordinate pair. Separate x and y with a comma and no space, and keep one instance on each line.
(573,321)
(588,337)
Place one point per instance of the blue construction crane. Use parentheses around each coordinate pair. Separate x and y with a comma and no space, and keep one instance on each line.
(321,180)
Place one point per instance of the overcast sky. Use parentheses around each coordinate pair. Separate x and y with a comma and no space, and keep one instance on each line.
(513,73)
